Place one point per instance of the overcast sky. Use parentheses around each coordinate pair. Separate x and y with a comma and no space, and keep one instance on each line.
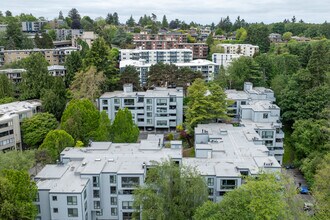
(204,12)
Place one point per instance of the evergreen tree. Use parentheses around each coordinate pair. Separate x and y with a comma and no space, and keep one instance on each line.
(36,78)
(60,15)
(115,19)
(130,75)
(130,22)
(80,119)
(109,18)
(73,63)
(164,22)
(103,133)
(123,129)
(258,35)
(6,87)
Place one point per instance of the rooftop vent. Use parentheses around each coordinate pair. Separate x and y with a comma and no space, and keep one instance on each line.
(97,159)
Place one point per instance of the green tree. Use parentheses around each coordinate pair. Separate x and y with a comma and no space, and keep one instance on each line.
(35,129)
(164,22)
(130,22)
(123,129)
(73,63)
(257,34)
(206,103)
(54,99)
(103,133)
(87,84)
(210,40)
(17,193)
(7,100)
(287,36)
(6,87)
(55,142)
(36,78)
(170,192)
(14,34)
(321,189)
(130,75)
(267,197)
(241,34)
(17,160)
(52,34)
(244,69)
(80,119)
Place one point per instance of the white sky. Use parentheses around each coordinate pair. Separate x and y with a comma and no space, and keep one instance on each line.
(204,12)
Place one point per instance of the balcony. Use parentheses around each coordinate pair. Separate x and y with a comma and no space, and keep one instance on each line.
(280,134)
(278,144)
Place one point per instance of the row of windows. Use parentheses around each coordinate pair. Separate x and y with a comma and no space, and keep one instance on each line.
(6,133)
(140,99)
(5,142)
(4,125)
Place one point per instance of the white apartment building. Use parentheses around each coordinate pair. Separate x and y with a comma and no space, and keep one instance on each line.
(224,59)
(32,26)
(57,70)
(254,108)
(161,108)
(156,56)
(244,49)
(16,74)
(66,34)
(11,115)
(97,182)
(224,154)
(207,68)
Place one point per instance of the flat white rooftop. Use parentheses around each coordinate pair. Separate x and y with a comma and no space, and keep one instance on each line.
(157,92)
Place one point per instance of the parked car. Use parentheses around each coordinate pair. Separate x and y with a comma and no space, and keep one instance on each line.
(308,206)
(303,190)
(289,166)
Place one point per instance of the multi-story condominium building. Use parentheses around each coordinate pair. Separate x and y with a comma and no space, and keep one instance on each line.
(161,108)
(62,43)
(13,74)
(224,154)
(244,49)
(172,36)
(11,115)
(156,56)
(208,68)
(57,70)
(254,108)
(87,36)
(97,182)
(2,55)
(224,59)
(166,41)
(53,56)
(16,74)
(32,26)
(275,37)
(66,34)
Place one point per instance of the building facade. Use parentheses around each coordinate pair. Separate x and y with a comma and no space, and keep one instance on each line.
(32,26)
(208,68)
(57,70)
(2,55)
(11,115)
(13,74)
(224,59)
(244,49)
(53,56)
(254,107)
(156,56)
(97,182)
(160,108)
(86,36)
(66,34)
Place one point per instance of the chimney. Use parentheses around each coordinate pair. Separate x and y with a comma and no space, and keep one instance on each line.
(248,86)
(128,87)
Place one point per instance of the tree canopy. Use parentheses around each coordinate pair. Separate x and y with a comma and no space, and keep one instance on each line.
(17,193)
(80,119)
(35,129)
(205,103)
(170,192)
(123,129)
(55,142)
(267,197)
